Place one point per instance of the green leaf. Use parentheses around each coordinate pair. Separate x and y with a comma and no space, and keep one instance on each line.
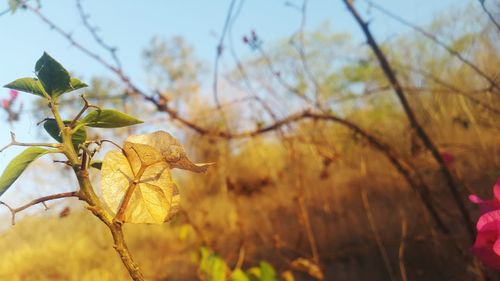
(267,272)
(34,86)
(96,165)
(79,137)
(76,84)
(239,275)
(109,118)
(28,85)
(54,78)
(17,166)
(212,266)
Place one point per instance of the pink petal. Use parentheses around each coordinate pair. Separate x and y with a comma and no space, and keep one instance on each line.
(485,247)
(496,247)
(475,199)
(487,218)
(496,190)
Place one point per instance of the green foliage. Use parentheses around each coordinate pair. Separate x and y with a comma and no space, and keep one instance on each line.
(53,76)
(109,118)
(28,85)
(53,79)
(265,272)
(212,266)
(239,275)
(17,166)
(79,137)
(75,84)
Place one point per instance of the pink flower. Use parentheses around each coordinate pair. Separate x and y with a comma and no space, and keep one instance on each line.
(13,94)
(487,244)
(488,205)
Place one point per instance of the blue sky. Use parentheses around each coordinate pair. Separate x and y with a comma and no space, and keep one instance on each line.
(130,25)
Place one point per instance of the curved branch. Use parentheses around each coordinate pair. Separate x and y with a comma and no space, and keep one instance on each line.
(40,200)
(14,142)
(492,18)
(97,38)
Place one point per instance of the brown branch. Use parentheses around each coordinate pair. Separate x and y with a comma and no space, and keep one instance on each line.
(41,200)
(402,246)
(419,130)
(93,31)
(433,38)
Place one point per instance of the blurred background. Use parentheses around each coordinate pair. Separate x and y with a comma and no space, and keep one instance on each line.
(320,173)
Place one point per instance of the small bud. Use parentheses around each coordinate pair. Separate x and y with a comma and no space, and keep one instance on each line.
(13,95)
(245,40)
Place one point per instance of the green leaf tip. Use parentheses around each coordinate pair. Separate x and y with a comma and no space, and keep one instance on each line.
(28,85)
(109,118)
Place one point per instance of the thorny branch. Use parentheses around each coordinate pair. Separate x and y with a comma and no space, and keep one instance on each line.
(34,202)
(14,142)
(86,106)
(93,31)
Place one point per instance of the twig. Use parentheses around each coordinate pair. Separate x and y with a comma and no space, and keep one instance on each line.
(93,31)
(483,5)
(302,53)
(41,200)
(86,106)
(14,142)
(218,53)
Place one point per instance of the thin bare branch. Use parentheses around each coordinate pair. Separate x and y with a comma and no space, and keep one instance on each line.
(218,54)
(93,31)
(34,202)
(492,18)
(14,142)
